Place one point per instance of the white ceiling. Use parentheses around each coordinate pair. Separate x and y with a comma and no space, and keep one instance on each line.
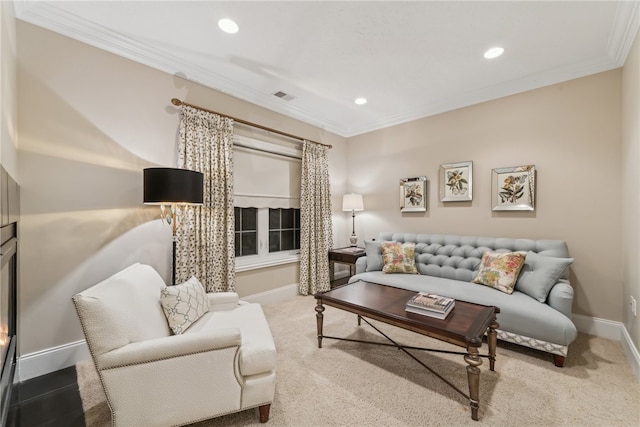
(410,59)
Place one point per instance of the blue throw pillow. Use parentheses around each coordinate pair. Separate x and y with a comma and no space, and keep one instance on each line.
(539,274)
(374,255)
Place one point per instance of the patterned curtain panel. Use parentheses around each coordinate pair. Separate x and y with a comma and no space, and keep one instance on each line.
(316,232)
(206,245)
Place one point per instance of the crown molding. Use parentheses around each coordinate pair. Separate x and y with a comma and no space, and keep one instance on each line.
(623,31)
(49,16)
(527,83)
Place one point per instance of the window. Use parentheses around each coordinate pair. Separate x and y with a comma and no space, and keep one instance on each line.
(266,237)
(284,229)
(267,202)
(246,220)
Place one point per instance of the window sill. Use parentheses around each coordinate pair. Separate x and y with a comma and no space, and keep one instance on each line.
(246,265)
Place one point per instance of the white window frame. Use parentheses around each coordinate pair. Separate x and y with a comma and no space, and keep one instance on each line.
(264,258)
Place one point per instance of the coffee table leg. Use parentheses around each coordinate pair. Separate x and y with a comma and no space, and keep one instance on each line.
(473,376)
(319,318)
(492,338)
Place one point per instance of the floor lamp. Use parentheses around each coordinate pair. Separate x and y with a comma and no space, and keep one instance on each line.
(173,187)
(352,202)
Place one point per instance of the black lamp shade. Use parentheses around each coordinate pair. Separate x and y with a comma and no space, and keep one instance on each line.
(171,185)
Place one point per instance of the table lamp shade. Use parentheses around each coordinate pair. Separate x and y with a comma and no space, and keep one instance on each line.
(352,202)
(171,185)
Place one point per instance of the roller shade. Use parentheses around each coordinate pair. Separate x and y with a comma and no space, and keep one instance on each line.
(265,179)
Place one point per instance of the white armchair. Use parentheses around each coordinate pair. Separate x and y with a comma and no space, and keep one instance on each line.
(223,363)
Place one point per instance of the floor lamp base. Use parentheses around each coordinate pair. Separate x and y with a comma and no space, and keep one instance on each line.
(173,264)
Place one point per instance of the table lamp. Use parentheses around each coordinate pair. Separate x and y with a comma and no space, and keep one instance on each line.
(352,202)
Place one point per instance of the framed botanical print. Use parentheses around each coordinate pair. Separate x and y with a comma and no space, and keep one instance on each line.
(413,194)
(456,182)
(513,189)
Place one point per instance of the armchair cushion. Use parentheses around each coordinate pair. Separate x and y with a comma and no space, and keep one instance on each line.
(258,351)
(184,304)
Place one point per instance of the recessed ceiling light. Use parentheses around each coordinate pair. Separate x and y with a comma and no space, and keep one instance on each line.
(360,101)
(228,26)
(494,52)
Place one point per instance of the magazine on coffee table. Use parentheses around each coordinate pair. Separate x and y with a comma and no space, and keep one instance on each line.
(430,305)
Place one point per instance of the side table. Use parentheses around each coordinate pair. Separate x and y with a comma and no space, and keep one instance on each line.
(348,255)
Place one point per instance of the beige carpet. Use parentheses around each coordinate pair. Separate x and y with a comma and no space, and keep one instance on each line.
(350,384)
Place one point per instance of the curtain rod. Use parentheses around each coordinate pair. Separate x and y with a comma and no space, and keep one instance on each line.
(177,102)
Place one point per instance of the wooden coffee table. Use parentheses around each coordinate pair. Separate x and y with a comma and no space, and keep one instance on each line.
(465,326)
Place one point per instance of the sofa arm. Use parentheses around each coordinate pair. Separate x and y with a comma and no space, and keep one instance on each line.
(169,347)
(222,301)
(561,297)
(361,265)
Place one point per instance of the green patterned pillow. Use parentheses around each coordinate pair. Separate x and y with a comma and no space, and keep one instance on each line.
(184,304)
(399,257)
(500,270)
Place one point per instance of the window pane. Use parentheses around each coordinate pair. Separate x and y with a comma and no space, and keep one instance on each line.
(236,219)
(274,241)
(249,245)
(297,216)
(249,219)
(274,219)
(296,237)
(287,218)
(287,240)
(237,244)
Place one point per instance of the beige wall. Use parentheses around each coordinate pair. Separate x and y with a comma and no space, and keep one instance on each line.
(8,88)
(89,122)
(630,188)
(569,131)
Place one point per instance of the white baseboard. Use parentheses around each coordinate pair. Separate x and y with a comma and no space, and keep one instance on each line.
(273,295)
(602,328)
(56,358)
(608,329)
(630,350)
(52,359)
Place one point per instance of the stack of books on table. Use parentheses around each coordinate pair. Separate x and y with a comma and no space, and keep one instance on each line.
(430,305)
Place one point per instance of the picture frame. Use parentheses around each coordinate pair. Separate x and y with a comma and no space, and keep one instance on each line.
(413,194)
(513,188)
(456,182)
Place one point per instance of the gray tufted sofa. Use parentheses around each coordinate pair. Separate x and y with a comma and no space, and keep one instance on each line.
(446,266)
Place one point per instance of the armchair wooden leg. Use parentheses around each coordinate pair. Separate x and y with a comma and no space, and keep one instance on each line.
(264,413)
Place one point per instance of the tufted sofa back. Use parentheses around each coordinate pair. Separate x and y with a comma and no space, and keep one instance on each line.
(457,257)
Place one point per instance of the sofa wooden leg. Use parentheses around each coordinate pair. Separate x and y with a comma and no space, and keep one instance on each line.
(264,413)
(558,360)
